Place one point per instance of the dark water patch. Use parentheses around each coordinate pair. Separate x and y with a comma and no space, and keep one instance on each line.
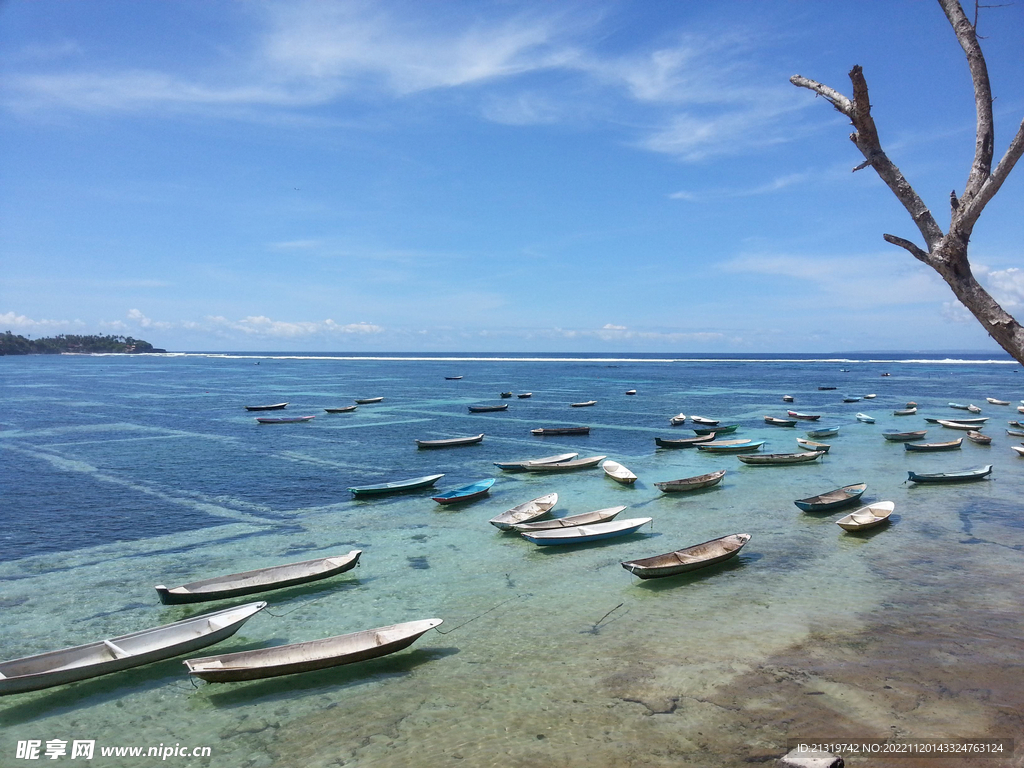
(419,563)
(11,602)
(119,610)
(419,537)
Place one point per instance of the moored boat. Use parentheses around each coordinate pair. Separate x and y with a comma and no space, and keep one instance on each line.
(865,418)
(812,445)
(274,407)
(1017,449)
(342,409)
(851,398)
(901,437)
(524,395)
(506,394)
(258,580)
(822,432)
(769,459)
(826,389)
(469,492)
(951,424)
(368,400)
(867,517)
(997,402)
(395,487)
(1015,432)
(691,483)
(545,431)
(45,670)
(618,473)
(804,416)
(952,445)
(970,420)
(586,518)
(973,408)
(1016,424)
(959,406)
(840,497)
(312,655)
(977,437)
(630,391)
(870,397)
(525,513)
(787,398)
(520,465)
(285,420)
(582,534)
(451,442)
(452,378)
(586,404)
(730,446)
(721,430)
(679,418)
(960,476)
(686,442)
(565,466)
(704,421)
(904,412)
(776,422)
(487,408)
(688,558)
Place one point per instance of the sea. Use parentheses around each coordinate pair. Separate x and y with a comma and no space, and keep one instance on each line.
(122,472)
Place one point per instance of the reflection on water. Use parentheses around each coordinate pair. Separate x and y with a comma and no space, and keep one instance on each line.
(549,655)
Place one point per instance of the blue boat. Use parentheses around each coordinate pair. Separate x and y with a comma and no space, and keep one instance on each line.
(580,534)
(822,432)
(961,476)
(466,492)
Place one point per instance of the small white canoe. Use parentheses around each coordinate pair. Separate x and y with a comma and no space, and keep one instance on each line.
(82,662)
(565,466)
(583,405)
(581,534)
(524,513)
(618,473)
(867,517)
(865,418)
(512,466)
(679,418)
(587,518)
(451,442)
(812,445)
(704,421)
(313,655)
(997,402)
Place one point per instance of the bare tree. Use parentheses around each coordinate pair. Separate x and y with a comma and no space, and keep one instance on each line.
(947,252)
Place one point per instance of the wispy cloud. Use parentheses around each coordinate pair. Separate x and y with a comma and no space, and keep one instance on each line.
(11,321)
(261,326)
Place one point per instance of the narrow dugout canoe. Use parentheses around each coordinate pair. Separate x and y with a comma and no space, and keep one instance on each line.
(565,466)
(342,409)
(395,487)
(811,445)
(512,466)
(583,534)
(804,416)
(451,442)
(689,558)
(769,459)
(960,476)
(525,513)
(952,445)
(487,408)
(545,431)
(840,497)
(286,420)
(777,422)
(465,493)
(586,518)
(685,442)
(274,407)
(691,483)
(730,446)
(899,437)
(368,400)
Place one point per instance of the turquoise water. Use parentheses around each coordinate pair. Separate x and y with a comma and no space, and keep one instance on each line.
(120,473)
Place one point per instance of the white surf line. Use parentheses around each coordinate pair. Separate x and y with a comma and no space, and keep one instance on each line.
(302,458)
(116,440)
(117,427)
(216,510)
(377,423)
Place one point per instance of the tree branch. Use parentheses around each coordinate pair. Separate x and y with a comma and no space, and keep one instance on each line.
(970,212)
(839,101)
(917,253)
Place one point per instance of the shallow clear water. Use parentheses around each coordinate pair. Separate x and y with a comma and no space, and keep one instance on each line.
(119,473)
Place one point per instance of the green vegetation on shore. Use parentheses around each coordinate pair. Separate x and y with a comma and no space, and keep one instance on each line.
(12,344)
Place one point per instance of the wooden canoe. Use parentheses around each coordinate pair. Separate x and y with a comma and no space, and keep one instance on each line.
(865,418)
(452,378)
(368,400)
(288,420)
(960,476)
(776,422)
(840,497)
(618,473)
(513,466)
(1017,449)
(630,391)
(582,534)
(811,445)
(586,518)
(716,430)
(586,404)
(1016,424)
(259,580)
(309,656)
(804,416)
(565,466)
(487,408)
(951,424)
(822,432)
(82,662)
(730,446)
(395,487)
(526,512)
(973,408)
(767,459)
(689,558)
(867,517)
(691,483)
(469,492)
(524,395)
(959,406)
(546,431)
(977,437)
(705,422)
(506,394)
(851,399)
(952,445)
(342,409)
(1015,432)
(274,407)
(787,398)
(973,420)
(904,412)
(902,437)
(826,389)
(679,418)
(997,402)
(452,442)
(686,442)
(870,397)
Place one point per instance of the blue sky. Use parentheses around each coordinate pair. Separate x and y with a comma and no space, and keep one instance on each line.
(489,176)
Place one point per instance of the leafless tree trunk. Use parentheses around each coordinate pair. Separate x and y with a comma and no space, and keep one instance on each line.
(947,252)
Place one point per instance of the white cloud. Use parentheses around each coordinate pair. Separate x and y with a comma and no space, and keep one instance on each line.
(610,327)
(21,324)
(260,325)
(1005,285)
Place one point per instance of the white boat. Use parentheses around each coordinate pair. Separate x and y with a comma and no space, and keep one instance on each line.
(865,418)
(869,397)
(679,418)
(586,518)
(618,473)
(565,466)
(580,534)
(259,580)
(524,513)
(951,424)
(82,662)
(450,442)
(704,421)
(511,466)
(812,445)
(997,402)
(583,405)
(867,517)
(306,657)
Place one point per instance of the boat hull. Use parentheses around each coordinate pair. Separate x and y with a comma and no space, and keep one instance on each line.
(584,534)
(691,483)
(965,476)
(840,497)
(688,559)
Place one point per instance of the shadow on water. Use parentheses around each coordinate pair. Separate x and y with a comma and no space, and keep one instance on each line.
(290,686)
(695,577)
